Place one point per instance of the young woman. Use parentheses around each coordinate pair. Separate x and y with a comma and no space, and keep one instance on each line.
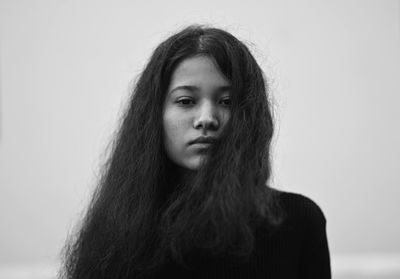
(184,193)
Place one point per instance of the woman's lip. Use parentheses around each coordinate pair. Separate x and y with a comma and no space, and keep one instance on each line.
(204,140)
(201,144)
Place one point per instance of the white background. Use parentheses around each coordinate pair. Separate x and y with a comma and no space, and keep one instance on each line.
(66,68)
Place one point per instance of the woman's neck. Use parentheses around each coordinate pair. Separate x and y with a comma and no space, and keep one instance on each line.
(186,176)
(180,175)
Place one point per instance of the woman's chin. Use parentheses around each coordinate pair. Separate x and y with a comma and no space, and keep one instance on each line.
(195,163)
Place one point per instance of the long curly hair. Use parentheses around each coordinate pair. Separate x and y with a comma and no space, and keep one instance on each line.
(140,218)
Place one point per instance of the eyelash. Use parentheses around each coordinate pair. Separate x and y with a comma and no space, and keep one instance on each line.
(227,100)
(181,101)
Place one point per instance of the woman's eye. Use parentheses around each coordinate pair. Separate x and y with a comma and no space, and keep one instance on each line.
(226,102)
(185,101)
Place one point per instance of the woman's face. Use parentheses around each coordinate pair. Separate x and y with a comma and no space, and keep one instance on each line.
(196,109)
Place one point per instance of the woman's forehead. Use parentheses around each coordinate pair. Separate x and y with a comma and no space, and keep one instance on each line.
(198,71)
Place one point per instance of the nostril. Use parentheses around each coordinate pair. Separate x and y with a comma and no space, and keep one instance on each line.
(206,123)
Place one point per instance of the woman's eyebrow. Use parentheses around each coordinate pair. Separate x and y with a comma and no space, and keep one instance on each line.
(193,88)
(185,87)
(224,88)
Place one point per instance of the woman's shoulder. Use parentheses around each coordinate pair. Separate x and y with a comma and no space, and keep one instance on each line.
(300,208)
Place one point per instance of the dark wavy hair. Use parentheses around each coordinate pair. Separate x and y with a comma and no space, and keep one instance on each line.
(141,217)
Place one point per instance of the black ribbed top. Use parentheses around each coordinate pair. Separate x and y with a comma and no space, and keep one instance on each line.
(297,249)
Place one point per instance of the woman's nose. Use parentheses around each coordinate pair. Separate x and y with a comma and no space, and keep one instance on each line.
(206,118)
